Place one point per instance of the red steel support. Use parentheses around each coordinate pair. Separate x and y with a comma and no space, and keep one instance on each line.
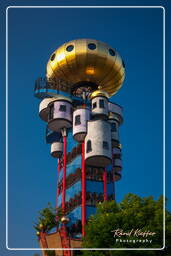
(65,240)
(114,191)
(59,165)
(105,184)
(83,191)
(64,172)
(57,191)
(43,240)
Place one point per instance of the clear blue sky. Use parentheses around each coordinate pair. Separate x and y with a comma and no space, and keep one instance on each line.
(33,35)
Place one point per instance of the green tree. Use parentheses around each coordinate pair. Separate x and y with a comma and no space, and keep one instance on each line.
(47,218)
(134,212)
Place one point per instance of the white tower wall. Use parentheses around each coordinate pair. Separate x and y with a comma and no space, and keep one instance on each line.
(80,118)
(99,106)
(98,150)
(56,149)
(114,132)
(43,108)
(116,111)
(60,115)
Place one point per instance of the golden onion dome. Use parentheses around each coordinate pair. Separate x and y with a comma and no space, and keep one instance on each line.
(89,63)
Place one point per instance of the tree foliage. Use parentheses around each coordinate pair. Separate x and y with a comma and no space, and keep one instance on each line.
(47,218)
(133,212)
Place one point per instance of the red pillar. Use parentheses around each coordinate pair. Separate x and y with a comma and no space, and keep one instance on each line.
(43,240)
(114,191)
(105,184)
(57,189)
(64,172)
(83,191)
(59,165)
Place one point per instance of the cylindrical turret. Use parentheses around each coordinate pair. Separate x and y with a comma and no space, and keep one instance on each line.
(117,175)
(60,114)
(98,143)
(114,120)
(117,168)
(116,152)
(99,104)
(80,118)
(43,108)
(115,112)
(57,149)
(117,164)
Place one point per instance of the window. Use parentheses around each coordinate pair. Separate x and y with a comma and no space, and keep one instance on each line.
(101,103)
(77,120)
(113,127)
(105,145)
(94,105)
(51,109)
(112,52)
(89,149)
(62,108)
(92,46)
(53,57)
(70,48)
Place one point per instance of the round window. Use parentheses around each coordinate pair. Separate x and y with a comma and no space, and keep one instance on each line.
(53,57)
(112,52)
(70,48)
(92,46)
(123,64)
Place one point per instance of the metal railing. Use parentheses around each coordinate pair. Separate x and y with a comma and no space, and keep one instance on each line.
(54,84)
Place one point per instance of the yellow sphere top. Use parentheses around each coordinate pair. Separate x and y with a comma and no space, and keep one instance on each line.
(64,219)
(87,62)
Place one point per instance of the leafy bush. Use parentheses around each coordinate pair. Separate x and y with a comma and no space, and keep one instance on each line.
(133,212)
(47,218)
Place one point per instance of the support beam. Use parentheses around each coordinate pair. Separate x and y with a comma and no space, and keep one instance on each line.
(64,169)
(83,191)
(57,192)
(43,241)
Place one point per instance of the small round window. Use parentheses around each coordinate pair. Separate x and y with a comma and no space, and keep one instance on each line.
(112,52)
(53,57)
(92,46)
(123,64)
(70,48)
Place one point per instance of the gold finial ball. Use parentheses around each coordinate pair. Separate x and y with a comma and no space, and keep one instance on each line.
(98,93)
(41,226)
(65,219)
(87,63)
(38,233)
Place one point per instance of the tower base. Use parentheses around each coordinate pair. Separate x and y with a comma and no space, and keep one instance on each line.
(54,240)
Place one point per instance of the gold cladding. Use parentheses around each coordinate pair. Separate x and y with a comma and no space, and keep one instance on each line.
(84,64)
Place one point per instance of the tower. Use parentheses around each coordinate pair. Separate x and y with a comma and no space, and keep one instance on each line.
(83,129)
